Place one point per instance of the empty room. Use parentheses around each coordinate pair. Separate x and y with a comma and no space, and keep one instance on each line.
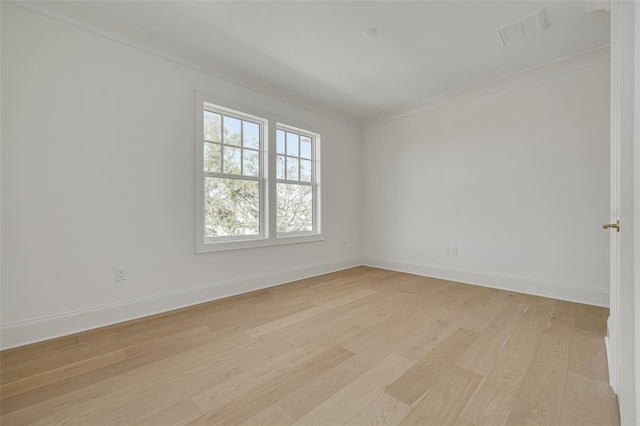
(319,212)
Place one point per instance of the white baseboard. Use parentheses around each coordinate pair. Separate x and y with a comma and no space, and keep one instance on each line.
(44,328)
(607,349)
(611,362)
(555,290)
(39,329)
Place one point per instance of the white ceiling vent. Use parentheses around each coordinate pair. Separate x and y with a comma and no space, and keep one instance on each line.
(531,24)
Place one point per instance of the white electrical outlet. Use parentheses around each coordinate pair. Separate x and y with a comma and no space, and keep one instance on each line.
(447,250)
(120,275)
(454,250)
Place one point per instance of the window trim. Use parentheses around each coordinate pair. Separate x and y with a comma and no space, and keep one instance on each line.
(314,183)
(263,123)
(268,233)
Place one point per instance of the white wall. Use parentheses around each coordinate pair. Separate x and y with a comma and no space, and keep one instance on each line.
(517,179)
(98,171)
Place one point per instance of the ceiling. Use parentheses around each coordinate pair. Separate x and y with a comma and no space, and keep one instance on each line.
(313,53)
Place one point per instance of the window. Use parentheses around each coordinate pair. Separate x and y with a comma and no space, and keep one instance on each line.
(232,174)
(258,179)
(294,181)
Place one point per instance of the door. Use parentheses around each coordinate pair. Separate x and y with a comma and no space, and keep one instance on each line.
(613,217)
(623,340)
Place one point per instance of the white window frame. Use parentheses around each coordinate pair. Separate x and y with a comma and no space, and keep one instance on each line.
(268,230)
(315,178)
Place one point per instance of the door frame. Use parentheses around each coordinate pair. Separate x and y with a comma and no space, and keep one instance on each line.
(636,168)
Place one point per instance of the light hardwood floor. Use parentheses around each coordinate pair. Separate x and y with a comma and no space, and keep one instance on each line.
(359,347)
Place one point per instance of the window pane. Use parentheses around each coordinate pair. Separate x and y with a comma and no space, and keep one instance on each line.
(292,168)
(295,208)
(232,130)
(232,207)
(250,135)
(293,141)
(212,157)
(305,170)
(280,167)
(280,142)
(251,163)
(231,160)
(305,147)
(212,127)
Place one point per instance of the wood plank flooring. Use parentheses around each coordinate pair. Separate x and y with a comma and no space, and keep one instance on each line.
(358,347)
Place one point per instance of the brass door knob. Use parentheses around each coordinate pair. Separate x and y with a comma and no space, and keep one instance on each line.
(612,225)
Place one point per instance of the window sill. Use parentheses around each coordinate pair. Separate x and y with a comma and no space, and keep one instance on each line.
(254,243)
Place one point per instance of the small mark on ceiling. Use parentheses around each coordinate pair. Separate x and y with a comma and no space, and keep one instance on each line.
(369,33)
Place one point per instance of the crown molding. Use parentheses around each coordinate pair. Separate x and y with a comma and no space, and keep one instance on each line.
(540,72)
(75,15)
